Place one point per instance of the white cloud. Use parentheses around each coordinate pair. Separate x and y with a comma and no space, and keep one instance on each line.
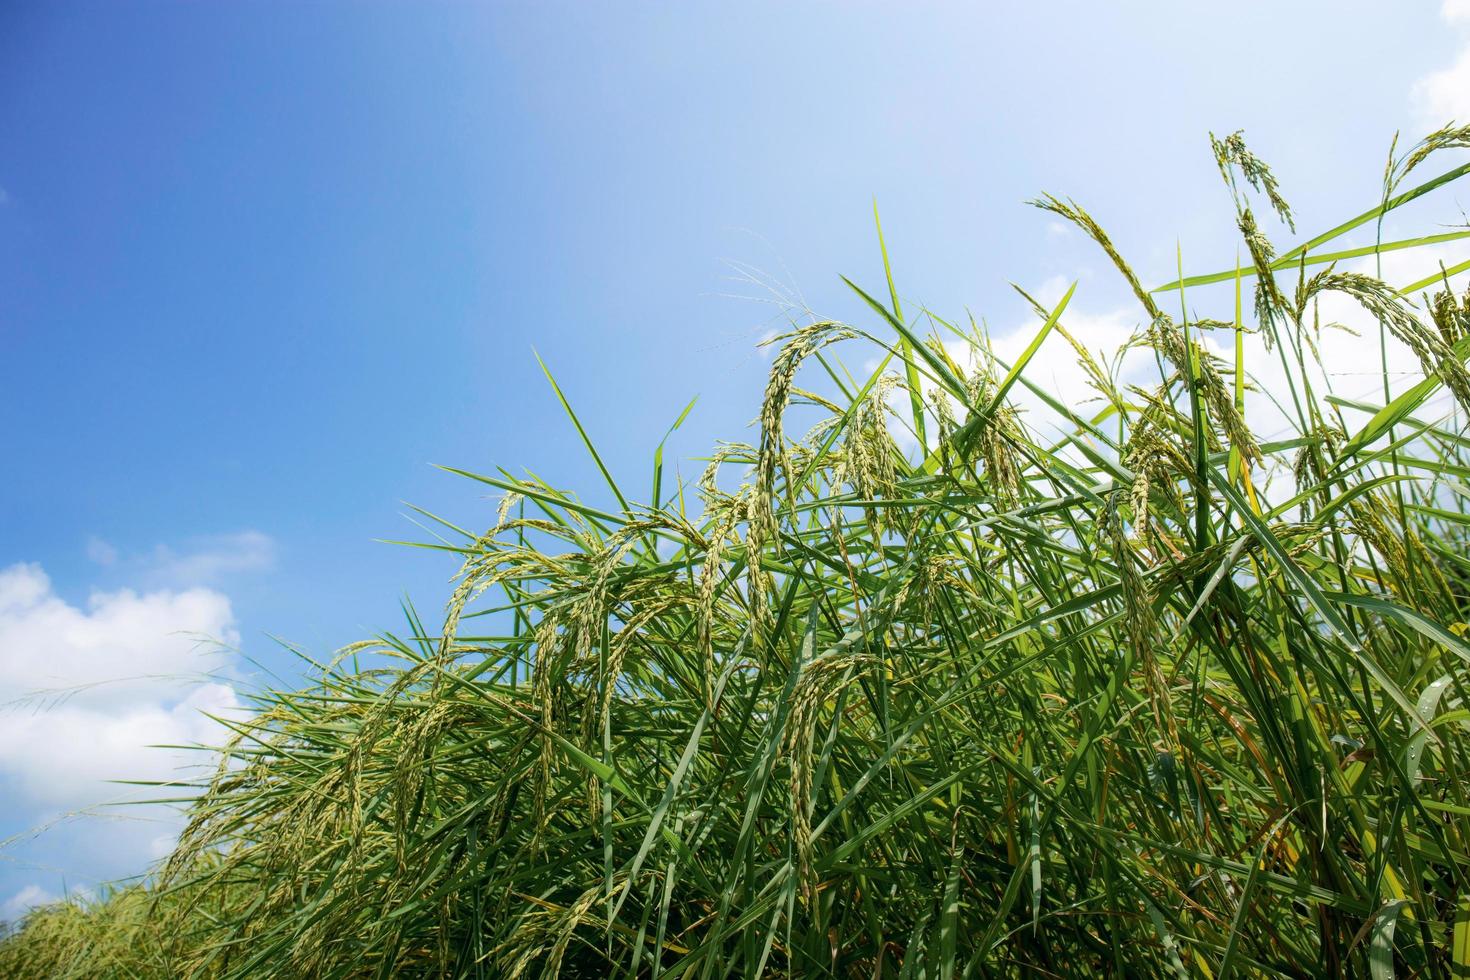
(1056,367)
(100,551)
(1350,363)
(205,560)
(764,347)
(208,559)
(24,900)
(117,648)
(65,754)
(86,690)
(1444,96)
(1051,290)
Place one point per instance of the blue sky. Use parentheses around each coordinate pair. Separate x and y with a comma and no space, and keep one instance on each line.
(261,266)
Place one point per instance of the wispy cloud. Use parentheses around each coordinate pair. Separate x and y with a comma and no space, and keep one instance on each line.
(206,560)
(101,552)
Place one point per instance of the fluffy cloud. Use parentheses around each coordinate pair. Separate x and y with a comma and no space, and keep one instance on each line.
(64,755)
(120,645)
(87,692)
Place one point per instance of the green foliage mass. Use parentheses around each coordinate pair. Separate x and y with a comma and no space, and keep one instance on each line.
(1151,698)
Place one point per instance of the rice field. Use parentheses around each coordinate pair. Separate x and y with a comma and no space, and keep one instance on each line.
(910,684)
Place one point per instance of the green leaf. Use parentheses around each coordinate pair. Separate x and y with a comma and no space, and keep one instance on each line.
(911,370)
(1380,949)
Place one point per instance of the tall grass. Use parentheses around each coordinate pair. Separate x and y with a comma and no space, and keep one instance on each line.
(1152,697)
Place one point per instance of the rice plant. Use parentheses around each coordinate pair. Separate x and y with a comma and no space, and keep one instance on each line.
(904,686)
